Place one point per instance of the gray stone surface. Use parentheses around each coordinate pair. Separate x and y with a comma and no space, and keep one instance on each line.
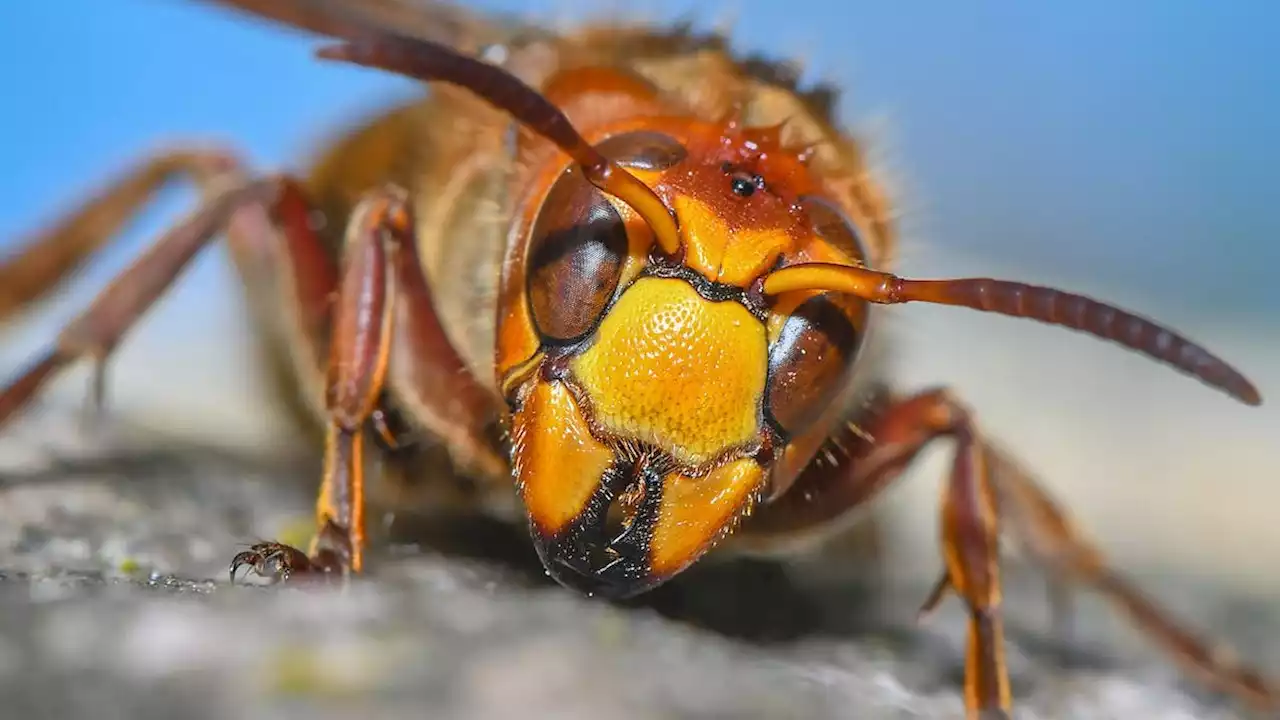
(114,604)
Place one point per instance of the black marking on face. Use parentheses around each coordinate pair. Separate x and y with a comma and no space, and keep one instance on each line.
(584,558)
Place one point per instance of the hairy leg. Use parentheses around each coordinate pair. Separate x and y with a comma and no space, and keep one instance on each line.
(985,496)
(53,254)
(97,331)
(272,254)
(379,275)
(292,279)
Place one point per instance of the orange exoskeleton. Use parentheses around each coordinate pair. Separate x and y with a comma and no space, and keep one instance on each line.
(632,274)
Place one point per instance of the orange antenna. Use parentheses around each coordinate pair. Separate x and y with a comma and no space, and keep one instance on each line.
(1047,305)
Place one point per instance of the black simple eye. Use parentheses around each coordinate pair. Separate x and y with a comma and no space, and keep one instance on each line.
(830,223)
(744,185)
(578,245)
(810,362)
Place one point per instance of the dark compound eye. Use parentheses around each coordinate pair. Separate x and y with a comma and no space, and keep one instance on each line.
(830,223)
(813,358)
(579,241)
(810,362)
(578,245)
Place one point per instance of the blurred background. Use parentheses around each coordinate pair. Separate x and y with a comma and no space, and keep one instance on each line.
(1126,150)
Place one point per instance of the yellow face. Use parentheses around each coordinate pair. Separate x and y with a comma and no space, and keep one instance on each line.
(652,396)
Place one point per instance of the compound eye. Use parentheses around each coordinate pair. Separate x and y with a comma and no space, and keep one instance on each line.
(810,362)
(578,246)
(830,224)
(579,240)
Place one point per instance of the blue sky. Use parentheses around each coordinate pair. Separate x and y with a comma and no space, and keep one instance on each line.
(1128,148)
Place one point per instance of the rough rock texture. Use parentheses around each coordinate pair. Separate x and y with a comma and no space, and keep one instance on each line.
(114,604)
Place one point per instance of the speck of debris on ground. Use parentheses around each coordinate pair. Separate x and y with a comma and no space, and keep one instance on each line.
(114,603)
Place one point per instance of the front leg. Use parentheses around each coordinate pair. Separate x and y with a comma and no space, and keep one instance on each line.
(970,532)
(986,494)
(385,336)
(359,350)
